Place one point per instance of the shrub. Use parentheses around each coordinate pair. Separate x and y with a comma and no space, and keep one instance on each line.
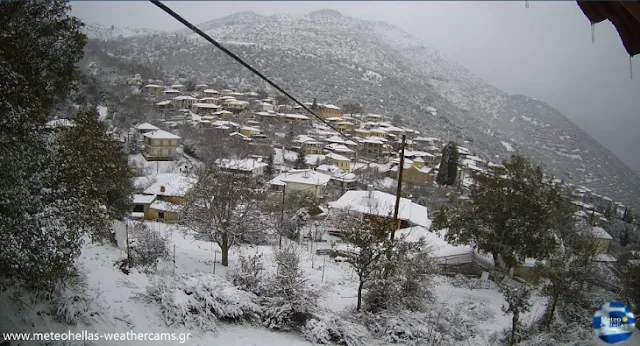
(146,247)
(200,301)
(70,302)
(330,328)
(289,300)
(249,276)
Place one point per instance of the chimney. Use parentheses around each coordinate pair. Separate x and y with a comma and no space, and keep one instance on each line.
(369,191)
(161,188)
(306,174)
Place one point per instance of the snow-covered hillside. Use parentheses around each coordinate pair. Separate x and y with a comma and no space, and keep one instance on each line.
(340,59)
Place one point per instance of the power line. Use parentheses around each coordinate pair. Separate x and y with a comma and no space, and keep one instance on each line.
(238,59)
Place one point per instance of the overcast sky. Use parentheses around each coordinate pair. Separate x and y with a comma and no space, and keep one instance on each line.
(544,51)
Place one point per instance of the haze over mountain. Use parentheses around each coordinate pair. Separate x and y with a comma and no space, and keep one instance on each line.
(340,59)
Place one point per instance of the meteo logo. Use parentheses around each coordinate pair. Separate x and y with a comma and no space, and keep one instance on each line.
(613,322)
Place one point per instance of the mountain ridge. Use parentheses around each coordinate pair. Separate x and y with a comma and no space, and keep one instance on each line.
(342,59)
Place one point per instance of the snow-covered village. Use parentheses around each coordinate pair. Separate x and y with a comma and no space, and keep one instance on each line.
(141,206)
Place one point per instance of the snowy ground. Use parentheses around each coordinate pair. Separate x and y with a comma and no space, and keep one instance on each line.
(118,311)
(337,281)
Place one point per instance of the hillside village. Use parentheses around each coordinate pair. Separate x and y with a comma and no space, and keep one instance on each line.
(355,150)
(229,215)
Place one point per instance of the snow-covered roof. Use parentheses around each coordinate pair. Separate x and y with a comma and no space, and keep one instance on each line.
(250,129)
(337,157)
(382,204)
(163,103)
(600,233)
(175,185)
(238,134)
(146,126)
(171,91)
(331,106)
(334,139)
(340,148)
(210,91)
(206,105)
(302,176)
(60,123)
(441,248)
(165,206)
(161,134)
(152,86)
(201,85)
(176,86)
(296,116)
(143,199)
(242,165)
(184,97)
(304,139)
(372,115)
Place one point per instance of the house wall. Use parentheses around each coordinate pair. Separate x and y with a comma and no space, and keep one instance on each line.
(529,274)
(318,191)
(601,245)
(153,214)
(413,176)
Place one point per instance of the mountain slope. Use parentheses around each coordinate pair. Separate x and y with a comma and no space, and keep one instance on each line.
(340,59)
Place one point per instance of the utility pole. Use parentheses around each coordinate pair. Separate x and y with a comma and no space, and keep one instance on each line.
(281,218)
(398,190)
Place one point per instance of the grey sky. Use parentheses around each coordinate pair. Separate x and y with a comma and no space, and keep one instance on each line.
(543,51)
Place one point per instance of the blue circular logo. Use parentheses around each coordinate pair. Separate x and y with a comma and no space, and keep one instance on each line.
(613,322)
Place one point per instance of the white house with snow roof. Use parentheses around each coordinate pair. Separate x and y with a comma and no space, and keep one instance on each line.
(183,101)
(164,198)
(143,128)
(160,145)
(381,204)
(301,181)
(249,167)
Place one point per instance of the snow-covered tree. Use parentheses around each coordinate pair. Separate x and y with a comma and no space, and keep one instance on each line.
(93,171)
(289,301)
(518,302)
(146,246)
(301,160)
(220,209)
(406,279)
(249,276)
(370,239)
(511,214)
(270,170)
(39,239)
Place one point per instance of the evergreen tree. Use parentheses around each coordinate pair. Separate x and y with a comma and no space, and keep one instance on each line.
(628,216)
(443,170)
(397,120)
(314,105)
(92,170)
(41,46)
(624,237)
(512,214)
(270,170)
(448,170)
(301,160)
(452,163)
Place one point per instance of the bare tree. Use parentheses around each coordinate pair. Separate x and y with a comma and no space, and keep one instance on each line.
(221,209)
(369,237)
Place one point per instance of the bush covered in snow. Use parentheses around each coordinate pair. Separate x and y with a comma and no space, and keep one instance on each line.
(437,324)
(289,301)
(200,301)
(70,302)
(146,247)
(249,275)
(330,328)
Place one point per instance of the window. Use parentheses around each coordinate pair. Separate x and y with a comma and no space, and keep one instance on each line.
(161,215)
